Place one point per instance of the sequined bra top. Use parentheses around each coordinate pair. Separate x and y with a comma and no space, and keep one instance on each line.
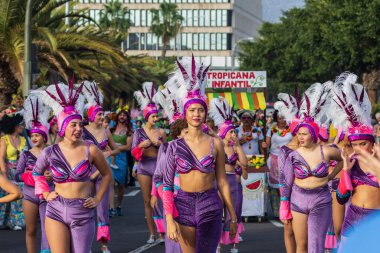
(61,170)
(87,135)
(302,169)
(232,159)
(359,177)
(187,161)
(143,136)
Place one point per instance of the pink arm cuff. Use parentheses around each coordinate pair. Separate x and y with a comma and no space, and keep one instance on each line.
(27,178)
(153,192)
(344,183)
(41,185)
(137,153)
(285,213)
(169,207)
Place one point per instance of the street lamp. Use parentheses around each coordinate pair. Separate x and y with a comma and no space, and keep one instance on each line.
(234,50)
(28,47)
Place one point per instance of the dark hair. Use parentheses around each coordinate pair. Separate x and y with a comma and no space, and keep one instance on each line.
(177,127)
(138,121)
(107,119)
(128,123)
(275,115)
(8,123)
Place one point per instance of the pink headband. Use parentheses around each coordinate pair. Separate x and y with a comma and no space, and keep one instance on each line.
(64,118)
(40,129)
(361,132)
(324,133)
(149,109)
(194,97)
(224,128)
(92,111)
(311,126)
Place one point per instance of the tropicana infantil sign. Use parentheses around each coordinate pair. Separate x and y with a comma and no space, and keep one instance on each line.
(236,79)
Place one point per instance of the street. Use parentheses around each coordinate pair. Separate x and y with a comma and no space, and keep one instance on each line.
(129,233)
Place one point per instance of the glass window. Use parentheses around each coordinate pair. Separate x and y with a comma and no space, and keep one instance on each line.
(219,18)
(201,41)
(224,41)
(207,41)
(213,18)
(142,41)
(213,41)
(207,17)
(149,41)
(218,41)
(189,17)
(137,18)
(184,1)
(201,17)
(195,18)
(133,41)
(224,17)
(143,17)
(132,17)
(195,41)
(189,41)
(148,18)
(183,41)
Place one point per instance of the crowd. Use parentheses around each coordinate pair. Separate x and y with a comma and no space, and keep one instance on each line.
(58,166)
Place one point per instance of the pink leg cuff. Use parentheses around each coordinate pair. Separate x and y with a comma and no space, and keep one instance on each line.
(103,233)
(159,225)
(240,228)
(226,240)
(331,242)
(153,192)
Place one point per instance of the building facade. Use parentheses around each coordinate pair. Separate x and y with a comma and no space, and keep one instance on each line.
(211,28)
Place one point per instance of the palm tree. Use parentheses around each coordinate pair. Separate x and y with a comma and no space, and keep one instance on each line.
(114,20)
(166,23)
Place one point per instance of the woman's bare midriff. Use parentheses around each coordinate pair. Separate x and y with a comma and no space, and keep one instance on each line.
(196,181)
(74,190)
(151,151)
(366,196)
(311,182)
(230,168)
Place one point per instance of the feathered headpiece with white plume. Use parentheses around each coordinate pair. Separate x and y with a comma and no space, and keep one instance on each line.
(36,116)
(351,108)
(222,113)
(145,99)
(66,102)
(94,99)
(170,104)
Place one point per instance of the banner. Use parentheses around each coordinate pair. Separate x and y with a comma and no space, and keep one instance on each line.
(254,195)
(236,79)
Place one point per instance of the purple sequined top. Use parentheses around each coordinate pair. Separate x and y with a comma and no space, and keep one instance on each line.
(139,136)
(232,159)
(180,158)
(359,177)
(25,163)
(52,158)
(87,136)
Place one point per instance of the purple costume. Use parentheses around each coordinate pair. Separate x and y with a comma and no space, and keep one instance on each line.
(239,201)
(315,203)
(70,212)
(26,164)
(170,245)
(103,233)
(355,213)
(202,210)
(147,165)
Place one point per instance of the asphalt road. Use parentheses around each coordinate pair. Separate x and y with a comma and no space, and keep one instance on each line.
(129,233)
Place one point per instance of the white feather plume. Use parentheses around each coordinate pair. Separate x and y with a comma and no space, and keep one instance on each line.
(286,106)
(145,96)
(166,99)
(43,112)
(223,113)
(92,93)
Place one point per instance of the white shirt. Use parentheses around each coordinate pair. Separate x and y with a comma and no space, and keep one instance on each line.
(251,147)
(277,141)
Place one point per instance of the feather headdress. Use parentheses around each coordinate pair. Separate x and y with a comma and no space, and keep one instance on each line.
(191,80)
(94,99)
(36,116)
(351,108)
(145,99)
(170,104)
(222,113)
(66,102)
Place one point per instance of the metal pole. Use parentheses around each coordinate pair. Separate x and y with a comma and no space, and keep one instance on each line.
(28,48)
(67,11)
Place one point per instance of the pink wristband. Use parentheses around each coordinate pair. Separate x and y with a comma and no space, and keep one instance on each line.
(41,185)
(153,192)
(27,178)
(344,183)
(285,213)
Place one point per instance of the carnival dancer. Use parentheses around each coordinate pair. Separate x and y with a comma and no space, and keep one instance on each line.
(100,137)
(288,108)
(305,197)
(53,137)
(178,129)
(35,116)
(351,110)
(200,161)
(278,136)
(11,146)
(122,136)
(70,215)
(146,142)
(222,114)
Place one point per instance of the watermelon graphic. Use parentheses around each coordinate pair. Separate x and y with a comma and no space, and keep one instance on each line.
(254,186)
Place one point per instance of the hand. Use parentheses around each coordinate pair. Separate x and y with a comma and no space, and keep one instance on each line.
(157,143)
(376,149)
(106,154)
(172,230)
(233,229)
(285,222)
(348,162)
(50,196)
(134,174)
(91,202)
(153,202)
(48,176)
(243,140)
(145,144)
(370,162)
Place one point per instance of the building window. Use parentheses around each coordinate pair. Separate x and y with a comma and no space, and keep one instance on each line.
(137,18)
(201,41)
(201,17)
(195,41)
(207,18)
(133,41)
(213,18)
(143,17)
(213,41)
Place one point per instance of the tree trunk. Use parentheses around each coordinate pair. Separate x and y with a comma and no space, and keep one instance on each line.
(371,81)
